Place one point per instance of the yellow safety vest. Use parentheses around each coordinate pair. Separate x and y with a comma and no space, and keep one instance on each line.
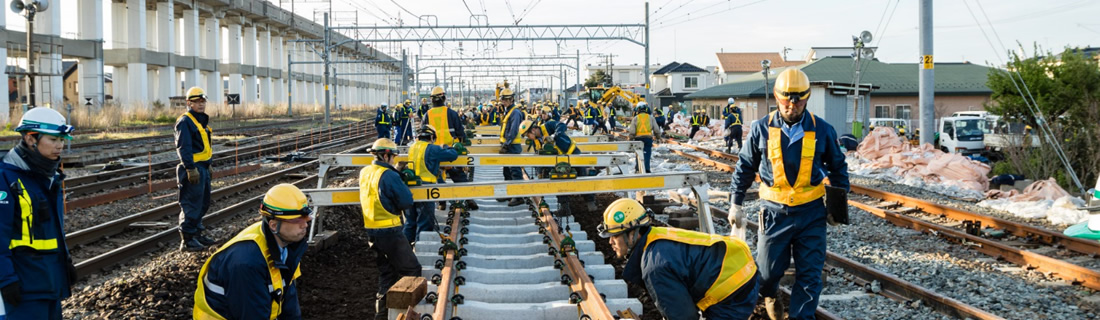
(383,120)
(737,267)
(205,154)
(734,112)
(437,117)
(253,233)
(504,126)
(416,155)
(484,119)
(26,219)
(782,191)
(538,143)
(696,120)
(374,215)
(642,126)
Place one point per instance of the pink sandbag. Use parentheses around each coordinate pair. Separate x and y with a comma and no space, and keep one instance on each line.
(1041,190)
(881,141)
(955,169)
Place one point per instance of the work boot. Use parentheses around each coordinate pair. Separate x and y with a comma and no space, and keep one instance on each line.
(204,240)
(189,243)
(502,199)
(774,307)
(380,310)
(515,202)
(471,205)
(563,210)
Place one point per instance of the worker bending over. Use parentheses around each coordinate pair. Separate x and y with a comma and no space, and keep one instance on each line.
(425,157)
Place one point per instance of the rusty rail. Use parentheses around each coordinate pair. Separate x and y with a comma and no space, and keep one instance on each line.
(581,287)
(448,272)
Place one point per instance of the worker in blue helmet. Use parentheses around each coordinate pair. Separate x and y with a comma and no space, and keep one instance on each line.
(732,115)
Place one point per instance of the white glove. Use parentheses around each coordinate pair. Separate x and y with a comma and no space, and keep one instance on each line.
(736,216)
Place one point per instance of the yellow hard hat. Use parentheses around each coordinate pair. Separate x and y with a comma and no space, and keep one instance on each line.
(792,84)
(546,109)
(285,202)
(506,94)
(384,145)
(423,100)
(195,93)
(437,91)
(407,101)
(621,216)
(525,126)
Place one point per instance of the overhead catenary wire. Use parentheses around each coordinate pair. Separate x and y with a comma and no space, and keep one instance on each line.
(714,13)
(1025,94)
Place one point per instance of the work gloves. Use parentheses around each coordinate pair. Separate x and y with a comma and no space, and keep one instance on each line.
(11,293)
(503,148)
(193,175)
(737,221)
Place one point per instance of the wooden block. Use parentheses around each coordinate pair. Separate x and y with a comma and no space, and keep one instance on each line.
(406,292)
(689,223)
(324,239)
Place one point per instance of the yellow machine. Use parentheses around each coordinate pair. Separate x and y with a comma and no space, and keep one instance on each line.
(600,94)
(500,86)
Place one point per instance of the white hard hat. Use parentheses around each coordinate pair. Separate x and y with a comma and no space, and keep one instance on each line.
(730,101)
(46,121)
(641,104)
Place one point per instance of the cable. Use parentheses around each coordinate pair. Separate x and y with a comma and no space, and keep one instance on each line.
(467,7)
(714,13)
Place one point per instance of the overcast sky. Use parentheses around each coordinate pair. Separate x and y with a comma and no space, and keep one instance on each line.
(693,30)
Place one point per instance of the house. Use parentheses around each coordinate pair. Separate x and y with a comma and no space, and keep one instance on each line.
(71,79)
(733,65)
(675,80)
(892,87)
(628,77)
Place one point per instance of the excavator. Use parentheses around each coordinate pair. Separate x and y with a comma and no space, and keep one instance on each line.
(601,94)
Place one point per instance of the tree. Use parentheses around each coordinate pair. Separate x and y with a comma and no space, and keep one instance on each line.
(1066,90)
(597,78)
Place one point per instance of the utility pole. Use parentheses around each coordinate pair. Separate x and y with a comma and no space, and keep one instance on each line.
(327,66)
(927,94)
(766,65)
(645,69)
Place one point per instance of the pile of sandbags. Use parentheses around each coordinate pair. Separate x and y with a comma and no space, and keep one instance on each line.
(883,154)
(1041,199)
(681,125)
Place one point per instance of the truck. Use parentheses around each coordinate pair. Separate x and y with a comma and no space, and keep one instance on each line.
(1001,134)
(900,126)
(961,134)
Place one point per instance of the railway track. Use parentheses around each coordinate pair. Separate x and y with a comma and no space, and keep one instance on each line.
(1071,259)
(88,191)
(110,243)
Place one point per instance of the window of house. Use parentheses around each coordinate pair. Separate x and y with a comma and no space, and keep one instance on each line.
(882,111)
(901,111)
(691,82)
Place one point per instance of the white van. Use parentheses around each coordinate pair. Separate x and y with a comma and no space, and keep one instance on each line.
(962,134)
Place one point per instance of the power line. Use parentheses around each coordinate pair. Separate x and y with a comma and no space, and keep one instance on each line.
(714,13)
(403,8)
(467,7)
(673,10)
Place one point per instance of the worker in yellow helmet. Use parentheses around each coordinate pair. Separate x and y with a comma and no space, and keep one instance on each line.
(193,134)
(644,128)
(254,275)
(384,196)
(685,272)
(449,127)
(511,137)
(793,151)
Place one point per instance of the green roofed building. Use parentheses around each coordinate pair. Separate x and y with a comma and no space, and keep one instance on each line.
(893,91)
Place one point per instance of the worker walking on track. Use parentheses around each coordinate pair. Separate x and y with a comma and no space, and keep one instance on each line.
(696,121)
(383,121)
(384,195)
(684,272)
(401,122)
(659,116)
(791,173)
(424,107)
(36,270)
(732,114)
(253,275)
(511,138)
(449,126)
(643,128)
(425,157)
(193,136)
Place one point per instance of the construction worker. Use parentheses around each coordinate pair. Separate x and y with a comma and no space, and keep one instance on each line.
(732,115)
(409,111)
(792,190)
(449,126)
(511,138)
(589,117)
(193,173)
(555,113)
(643,128)
(611,116)
(684,272)
(484,117)
(401,122)
(384,195)
(601,118)
(659,116)
(253,275)
(425,157)
(36,270)
(424,107)
(382,122)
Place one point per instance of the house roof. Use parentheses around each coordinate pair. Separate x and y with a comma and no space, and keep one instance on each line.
(890,79)
(750,61)
(667,68)
(678,67)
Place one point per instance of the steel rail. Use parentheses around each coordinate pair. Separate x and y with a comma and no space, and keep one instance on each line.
(582,288)
(448,272)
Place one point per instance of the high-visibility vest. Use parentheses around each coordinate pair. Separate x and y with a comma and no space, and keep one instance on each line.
(375,215)
(26,221)
(737,266)
(642,127)
(204,133)
(504,126)
(736,114)
(416,155)
(253,233)
(696,120)
(484,119)
(437,117)
(383,120)
(782,191)
(538,143)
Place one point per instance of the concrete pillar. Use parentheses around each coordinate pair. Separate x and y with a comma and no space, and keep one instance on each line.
(119,41)
(166,42)
(215,90)
(89,71)
(249,44)
(265,62)
(235,79)
(191,43)
(5,105)
(136,72)
(278,66)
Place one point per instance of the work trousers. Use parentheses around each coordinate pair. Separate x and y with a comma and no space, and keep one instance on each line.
(694,129)
(400,137)
(419,218)
(647,151)
(738,305)
(383,131)
(394,255)
(733,135)
(797,231)
(194,199)
(33,310)
(513,173)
